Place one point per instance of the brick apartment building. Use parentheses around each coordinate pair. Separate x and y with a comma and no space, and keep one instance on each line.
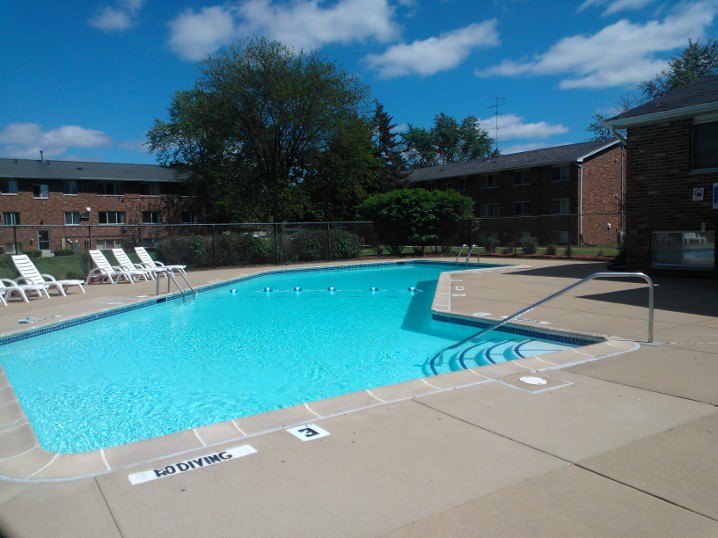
(672,179)
(58,197)
(560,195)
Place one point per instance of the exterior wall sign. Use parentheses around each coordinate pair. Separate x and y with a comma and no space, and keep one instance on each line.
(698,193)
(308,432)
(192,464)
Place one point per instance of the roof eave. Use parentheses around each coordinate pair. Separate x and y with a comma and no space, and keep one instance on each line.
(674,114)
(599,150)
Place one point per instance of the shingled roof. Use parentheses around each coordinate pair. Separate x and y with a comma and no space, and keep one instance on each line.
(702,94)
(34,169)
(526,159)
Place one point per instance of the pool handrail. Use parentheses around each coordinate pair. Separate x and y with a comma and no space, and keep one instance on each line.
(545,300)
(461,251)
(471,251)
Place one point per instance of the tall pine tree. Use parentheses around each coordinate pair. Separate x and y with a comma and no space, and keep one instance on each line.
(392,168)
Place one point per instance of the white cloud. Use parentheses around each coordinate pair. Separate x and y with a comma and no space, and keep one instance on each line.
(194,34)
(620,54)
(119,17)
(615,6)
(518,148)
(435,54)
(25,140)
(512,126)
(303,24)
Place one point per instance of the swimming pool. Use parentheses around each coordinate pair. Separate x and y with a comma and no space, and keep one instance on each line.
(238,350)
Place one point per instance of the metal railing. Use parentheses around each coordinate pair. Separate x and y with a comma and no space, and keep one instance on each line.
(545,300)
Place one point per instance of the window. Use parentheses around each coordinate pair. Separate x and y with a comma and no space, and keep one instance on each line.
(489,182)
(112,217)
(41,191)
(151,217)
(561,173)
(72,218)
(559,237)
(684,249)
(108,244)
(189,217)
(522,208)
(10,218)
(521,178)
(8,186)
(69,187)
(43,240)
(705,145)
(462,184)
(111,188)
(150,189)
(489,210)
(560,206)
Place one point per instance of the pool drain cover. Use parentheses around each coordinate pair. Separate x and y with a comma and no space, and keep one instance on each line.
(532,380)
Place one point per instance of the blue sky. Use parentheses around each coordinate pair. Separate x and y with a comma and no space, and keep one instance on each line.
(84,79)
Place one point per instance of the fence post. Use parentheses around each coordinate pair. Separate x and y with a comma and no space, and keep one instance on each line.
(214,246)
(276,243)
(14,237)
(89,238)
(329,243)
(515,232)
(139,235)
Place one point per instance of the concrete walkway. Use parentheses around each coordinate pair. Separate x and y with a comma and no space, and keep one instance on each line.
(626,445)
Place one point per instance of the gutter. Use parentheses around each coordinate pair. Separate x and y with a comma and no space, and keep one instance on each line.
(580,204)
(676,113)
(616,134)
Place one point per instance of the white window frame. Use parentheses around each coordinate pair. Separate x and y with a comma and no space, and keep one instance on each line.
(159,217)
(15,218)
(73,213)
(523,204)
(565,167)
(524,178)
(559,241)
(44,189)
(116,214)
(11,187)
(148,184)
(490,210)
(561,209)
(492,184)
(71,183)
(114,184)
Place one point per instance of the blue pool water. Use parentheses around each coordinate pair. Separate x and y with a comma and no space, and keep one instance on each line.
(236,351)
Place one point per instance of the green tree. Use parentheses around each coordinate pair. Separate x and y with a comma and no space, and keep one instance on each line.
(696,61)
(417,217)
(391,173)
(447,141)
(257,117)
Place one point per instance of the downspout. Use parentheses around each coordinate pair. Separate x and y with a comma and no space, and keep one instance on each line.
(616,134)
(580,204)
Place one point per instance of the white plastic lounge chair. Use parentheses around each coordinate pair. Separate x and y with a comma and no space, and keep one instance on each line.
(104,271)
(2,297)
(127,264)
(30,275)
(148,262)
(10,287)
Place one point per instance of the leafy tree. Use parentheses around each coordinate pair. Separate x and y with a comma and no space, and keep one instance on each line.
(387,151)
(417,217)
(257,117)
(447,141)
(694,62)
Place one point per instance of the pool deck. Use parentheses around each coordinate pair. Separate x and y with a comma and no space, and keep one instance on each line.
(624,445)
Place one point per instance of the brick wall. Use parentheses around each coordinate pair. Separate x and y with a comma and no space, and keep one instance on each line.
(50,211)
(603,196)
(659,188)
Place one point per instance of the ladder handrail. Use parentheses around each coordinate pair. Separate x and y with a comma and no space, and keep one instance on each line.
(461,251)
(471,250)
(561,292)
(171,277)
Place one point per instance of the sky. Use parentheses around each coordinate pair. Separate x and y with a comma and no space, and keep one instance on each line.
(84,80)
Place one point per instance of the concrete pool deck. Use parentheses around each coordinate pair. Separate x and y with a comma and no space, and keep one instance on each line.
(626,444)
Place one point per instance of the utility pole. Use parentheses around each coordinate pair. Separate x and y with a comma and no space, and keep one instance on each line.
(499,101)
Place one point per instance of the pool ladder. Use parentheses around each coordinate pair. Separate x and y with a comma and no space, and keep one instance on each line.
(172,279)
(468,255)
(643,276)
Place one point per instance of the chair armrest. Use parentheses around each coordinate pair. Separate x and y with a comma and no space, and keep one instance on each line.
(159,264)
(50,278)
(9,283)
(23,280)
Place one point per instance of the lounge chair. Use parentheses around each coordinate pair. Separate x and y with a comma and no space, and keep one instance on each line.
(148,262)
(104,271)
(10,287)
(127,264)
(30,275)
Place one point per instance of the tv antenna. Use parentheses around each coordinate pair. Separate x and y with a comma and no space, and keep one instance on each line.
(499,101)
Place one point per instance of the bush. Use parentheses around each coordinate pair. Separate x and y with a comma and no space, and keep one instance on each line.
(508,250)
(33,254)
(314,245)
(551,250)
(528,245)
(600,253)
(230,249)
(63,252)
(490,245)
(568,252)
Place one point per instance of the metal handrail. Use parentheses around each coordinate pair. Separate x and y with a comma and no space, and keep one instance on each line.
(471,250)
(561,292)
(461,251)
(171,277)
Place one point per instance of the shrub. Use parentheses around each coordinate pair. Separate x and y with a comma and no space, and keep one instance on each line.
(490,245)
(551,250)
(600,253)
(314,245)
(33,254)
(568,252)
(528,245)
(63,252)
(508,250)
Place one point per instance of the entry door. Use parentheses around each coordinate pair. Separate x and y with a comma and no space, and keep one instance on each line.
(43,241)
